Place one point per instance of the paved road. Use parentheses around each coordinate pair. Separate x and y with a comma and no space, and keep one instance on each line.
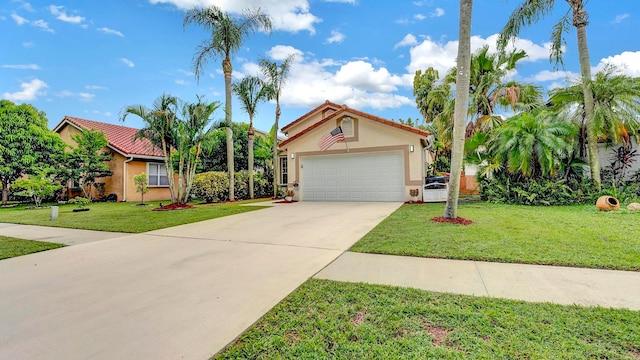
(178,293)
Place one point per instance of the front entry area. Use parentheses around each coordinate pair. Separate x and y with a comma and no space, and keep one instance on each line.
(377,176)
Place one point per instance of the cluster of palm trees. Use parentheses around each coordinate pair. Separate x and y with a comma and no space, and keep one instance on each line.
(541,138)
(228,33)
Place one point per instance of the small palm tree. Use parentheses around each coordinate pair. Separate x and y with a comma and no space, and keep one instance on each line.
(533,144)
(227,36)
(276,76)
(159,128)
(531,11)
(250,91)
(616,106)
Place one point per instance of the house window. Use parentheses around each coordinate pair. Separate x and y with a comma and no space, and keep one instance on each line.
(284,170)
(157,175)
(347,126)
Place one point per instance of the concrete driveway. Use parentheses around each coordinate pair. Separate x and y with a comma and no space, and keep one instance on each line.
(178,293)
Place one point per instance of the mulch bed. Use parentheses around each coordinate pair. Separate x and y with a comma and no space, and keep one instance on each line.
(174,206)
(285,201)
(457,221)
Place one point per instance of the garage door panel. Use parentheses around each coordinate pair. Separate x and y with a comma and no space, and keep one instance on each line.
(353,177)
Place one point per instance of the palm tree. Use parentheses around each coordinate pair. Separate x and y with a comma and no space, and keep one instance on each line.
(276,76)
(616,106)
(227,36)
(250,91)
(461,108)
(531,11)
(160,129)
(192,132)
(533,144)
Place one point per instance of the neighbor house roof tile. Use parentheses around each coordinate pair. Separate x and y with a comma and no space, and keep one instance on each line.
(327,103)
(121,138)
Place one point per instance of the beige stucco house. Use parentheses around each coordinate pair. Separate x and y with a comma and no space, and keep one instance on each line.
(379,160)
(130,157)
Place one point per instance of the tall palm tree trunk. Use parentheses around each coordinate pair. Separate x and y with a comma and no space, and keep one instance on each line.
(461,107)
(585,71)
(276,163)
(250,142)
(227,68)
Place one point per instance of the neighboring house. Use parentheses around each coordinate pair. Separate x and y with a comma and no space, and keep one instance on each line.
(130,157)
(380,160)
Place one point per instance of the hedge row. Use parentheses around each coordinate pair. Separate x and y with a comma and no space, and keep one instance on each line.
(213,186)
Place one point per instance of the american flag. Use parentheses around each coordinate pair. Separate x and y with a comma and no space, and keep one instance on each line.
(331,138)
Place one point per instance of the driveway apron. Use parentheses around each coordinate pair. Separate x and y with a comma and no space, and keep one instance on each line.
(177,293)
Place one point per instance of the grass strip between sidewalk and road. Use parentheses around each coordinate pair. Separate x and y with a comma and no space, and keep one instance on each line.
(12,247)
(123,217)
(577,236)
(331,320)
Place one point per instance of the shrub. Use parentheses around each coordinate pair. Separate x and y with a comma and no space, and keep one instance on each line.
(211,186)
(80,201)
(541,191)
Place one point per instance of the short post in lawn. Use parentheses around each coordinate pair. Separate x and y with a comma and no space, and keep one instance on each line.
(54,213)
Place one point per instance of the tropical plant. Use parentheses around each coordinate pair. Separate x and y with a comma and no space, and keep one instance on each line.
(531,11)
(142,185)
(250,91)
(533,144)
(276,76)
(181,136)
(87,161)
(26,143)
(37,186)
(616,109)
(228,33)
(461,108)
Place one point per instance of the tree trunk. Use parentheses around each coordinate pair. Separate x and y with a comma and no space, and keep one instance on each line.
(276,162)
(461,107)
(226,67)
(592,135)
(5,192)
(251,195)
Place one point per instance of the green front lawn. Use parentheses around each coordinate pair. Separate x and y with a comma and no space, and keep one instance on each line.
(122,217)
(577,236)
(12,247)
(332,320)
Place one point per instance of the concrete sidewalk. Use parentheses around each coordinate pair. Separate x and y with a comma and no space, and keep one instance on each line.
(536,283)
(56,234)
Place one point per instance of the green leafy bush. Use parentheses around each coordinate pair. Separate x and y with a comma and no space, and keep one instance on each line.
(541,191)
(211,186)
(80,201)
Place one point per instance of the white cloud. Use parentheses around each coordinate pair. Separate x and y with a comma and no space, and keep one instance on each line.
(108,113)
(127,62)
(19,19)
(28,44)
(106,30)
(419,17)
(287,15)
(30,90)
(84,96)
(185,72)
(438,12)
(180,82)
(60,14)
(96,87)
(546,75)
(442,56)
(620,18)
(336,37)
(27,7)
(628,62)
(356,83)
(42,25)
(408,40)
(22,66)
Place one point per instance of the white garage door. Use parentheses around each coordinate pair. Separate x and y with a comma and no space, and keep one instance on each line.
(353,177)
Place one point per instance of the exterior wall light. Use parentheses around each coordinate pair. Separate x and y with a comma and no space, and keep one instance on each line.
(411,149)
(293,155)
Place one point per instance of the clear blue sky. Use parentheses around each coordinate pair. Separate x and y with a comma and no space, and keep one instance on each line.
(89,59)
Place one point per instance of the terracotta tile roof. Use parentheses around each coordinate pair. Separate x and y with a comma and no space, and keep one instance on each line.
(345,108)
(327,103)
(121,138)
